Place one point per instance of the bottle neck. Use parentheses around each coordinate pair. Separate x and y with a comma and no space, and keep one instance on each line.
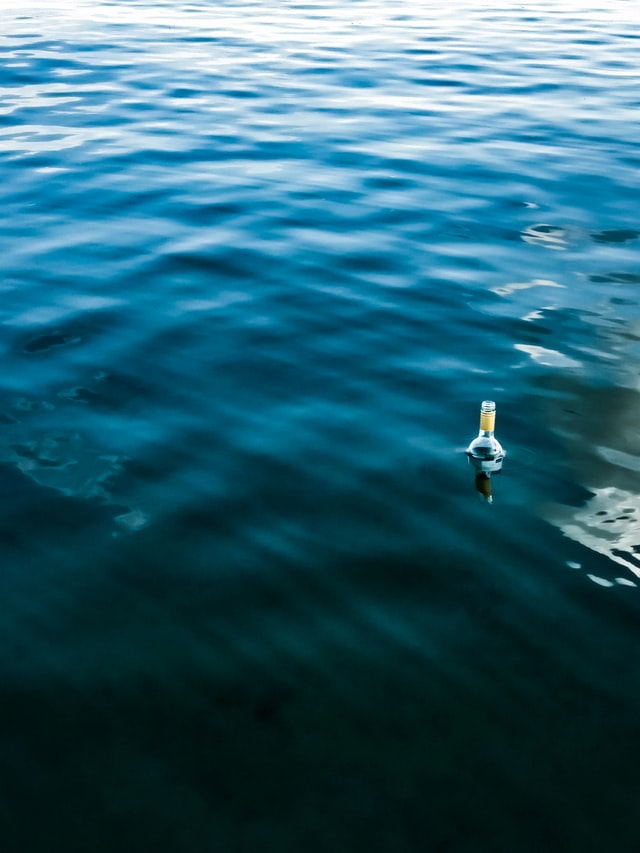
(487,423)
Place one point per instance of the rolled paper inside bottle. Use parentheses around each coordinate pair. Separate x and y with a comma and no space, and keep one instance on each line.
(488,421)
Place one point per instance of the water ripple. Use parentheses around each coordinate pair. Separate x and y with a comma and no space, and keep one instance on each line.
(260,265)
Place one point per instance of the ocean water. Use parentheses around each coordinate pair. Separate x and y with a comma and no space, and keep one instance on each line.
(261,262)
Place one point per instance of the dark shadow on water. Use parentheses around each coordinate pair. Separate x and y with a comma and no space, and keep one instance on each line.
(618,235)
(422,698)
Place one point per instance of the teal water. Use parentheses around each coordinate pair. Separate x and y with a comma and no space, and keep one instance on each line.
(260,265)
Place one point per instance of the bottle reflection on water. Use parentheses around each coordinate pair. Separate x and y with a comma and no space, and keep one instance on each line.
(485,452)
(483,487)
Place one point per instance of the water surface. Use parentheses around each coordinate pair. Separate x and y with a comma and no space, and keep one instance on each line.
(261,264)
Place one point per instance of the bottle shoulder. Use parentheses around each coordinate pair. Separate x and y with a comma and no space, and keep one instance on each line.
(485,446)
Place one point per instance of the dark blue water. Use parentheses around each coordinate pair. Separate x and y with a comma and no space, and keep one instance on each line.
(260,265)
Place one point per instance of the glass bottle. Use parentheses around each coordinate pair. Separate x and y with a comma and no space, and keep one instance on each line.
(485,452)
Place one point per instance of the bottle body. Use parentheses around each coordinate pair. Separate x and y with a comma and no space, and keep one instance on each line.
(485,452)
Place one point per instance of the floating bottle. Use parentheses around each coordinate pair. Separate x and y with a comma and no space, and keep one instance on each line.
(485,452)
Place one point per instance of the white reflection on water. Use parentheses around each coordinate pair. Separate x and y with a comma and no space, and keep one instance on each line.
(35,139)
(548,357)
(507,289)
(607,524)
(547,236)
(600,581)
(619,458)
